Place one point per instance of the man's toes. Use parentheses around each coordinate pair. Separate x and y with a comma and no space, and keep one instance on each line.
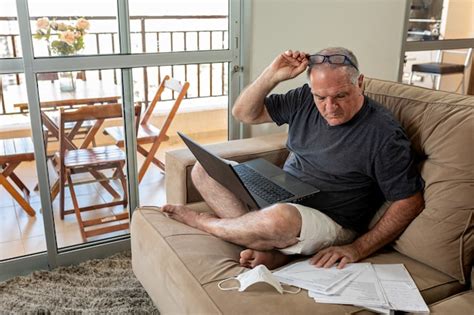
(246,254)
(166,208)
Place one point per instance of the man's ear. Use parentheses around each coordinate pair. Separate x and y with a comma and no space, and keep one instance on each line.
(360,80)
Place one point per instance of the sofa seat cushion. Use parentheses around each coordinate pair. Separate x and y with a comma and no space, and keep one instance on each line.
(180,267)
(461,303)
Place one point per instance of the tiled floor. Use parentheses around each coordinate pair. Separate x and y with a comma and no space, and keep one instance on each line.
(21,234)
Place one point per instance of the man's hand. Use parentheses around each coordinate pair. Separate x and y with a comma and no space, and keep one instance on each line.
(397,217)
(250,107)
(329,256)
(288,65)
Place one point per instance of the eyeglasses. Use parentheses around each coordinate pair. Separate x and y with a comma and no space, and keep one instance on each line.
(332,59)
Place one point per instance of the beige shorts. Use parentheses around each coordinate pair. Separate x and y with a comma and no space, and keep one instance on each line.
(318,231)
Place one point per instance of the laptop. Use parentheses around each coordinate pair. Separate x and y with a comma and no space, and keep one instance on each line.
(258,183)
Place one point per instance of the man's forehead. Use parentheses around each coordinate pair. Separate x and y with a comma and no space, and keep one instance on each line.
(329,90)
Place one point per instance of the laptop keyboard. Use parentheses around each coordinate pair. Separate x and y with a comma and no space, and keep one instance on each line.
(260,185)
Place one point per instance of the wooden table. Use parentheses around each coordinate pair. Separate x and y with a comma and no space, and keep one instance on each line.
(51,97)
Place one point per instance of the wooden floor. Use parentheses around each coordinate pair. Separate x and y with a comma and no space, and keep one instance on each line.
(21,234)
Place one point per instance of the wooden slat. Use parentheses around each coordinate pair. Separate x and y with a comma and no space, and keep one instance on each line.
(18,149)
(92,112)
(146,134)
(71,102)
(106,219)
(94,156)
(95,207)
(107,229)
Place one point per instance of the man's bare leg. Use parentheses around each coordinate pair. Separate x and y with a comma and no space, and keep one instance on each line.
(222,201)
(277,226)
(272,259)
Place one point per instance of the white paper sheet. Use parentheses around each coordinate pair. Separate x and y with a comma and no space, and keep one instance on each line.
(378,287)
(400,289)
(322,280)
(364,290)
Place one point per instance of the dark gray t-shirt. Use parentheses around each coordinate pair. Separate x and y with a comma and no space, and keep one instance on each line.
(356,165)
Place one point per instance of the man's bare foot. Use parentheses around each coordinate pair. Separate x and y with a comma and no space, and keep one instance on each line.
(271,259)
(185,215)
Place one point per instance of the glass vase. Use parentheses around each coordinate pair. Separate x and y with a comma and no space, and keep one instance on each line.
(67,81)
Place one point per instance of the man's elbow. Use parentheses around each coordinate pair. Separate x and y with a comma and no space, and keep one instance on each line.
(236,113)
(243,116)
(418,203)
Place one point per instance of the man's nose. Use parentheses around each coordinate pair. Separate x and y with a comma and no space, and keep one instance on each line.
(331,103)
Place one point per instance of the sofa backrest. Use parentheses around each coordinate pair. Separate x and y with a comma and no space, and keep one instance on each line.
(441,128)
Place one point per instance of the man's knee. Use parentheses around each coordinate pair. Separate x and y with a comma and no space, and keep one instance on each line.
(283,219)
(198,173)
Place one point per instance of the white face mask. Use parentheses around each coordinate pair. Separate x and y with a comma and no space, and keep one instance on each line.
(256,275)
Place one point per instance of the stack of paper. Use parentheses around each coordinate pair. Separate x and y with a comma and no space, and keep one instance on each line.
(378,287)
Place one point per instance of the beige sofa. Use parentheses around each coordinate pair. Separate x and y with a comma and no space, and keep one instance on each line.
(180,266)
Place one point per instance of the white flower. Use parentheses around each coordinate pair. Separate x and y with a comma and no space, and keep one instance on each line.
(82,24)
(68,37)
(42,23)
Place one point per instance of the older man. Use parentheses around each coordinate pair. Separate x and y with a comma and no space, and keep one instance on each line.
(341,142)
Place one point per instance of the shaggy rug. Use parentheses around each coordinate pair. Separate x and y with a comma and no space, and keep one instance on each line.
(96,286)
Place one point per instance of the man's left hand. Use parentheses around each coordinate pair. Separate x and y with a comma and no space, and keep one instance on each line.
(329,256)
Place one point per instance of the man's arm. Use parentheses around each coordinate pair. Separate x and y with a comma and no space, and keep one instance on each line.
(393,222)
(250,105)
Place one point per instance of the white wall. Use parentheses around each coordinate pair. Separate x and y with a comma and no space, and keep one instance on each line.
(373,29)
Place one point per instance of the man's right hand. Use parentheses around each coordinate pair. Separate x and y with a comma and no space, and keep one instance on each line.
(250,105)
(287,65)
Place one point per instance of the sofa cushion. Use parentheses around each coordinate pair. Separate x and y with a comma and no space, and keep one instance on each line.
(461,303)
(441,128)
(180,267)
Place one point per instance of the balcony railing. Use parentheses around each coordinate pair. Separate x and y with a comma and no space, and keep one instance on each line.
(207,80)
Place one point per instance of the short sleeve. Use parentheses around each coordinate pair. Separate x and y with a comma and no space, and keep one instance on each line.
(282,107)
(395,168)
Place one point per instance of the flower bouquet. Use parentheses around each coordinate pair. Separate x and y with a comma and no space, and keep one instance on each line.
(63,40)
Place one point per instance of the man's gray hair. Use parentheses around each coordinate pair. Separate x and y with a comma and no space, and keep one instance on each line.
(353,73)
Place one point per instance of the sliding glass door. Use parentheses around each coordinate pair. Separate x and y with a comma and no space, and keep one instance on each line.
(60,64)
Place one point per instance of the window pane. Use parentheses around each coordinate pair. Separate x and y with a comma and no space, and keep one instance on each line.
(85,163)
(82,27)
(202,114)
(180,25)
(21,221)
(9,39)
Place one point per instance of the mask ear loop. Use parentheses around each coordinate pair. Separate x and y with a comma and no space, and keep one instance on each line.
(219,284)
(292,292)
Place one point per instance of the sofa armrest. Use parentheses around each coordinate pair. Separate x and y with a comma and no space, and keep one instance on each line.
(179,187)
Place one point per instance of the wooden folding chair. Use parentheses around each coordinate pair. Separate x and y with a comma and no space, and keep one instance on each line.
(12,153)
(73,160)
(147,132)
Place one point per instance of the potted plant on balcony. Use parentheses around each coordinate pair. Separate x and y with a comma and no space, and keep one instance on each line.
(63,40)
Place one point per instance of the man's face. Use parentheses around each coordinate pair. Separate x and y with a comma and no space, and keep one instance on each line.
(335,96)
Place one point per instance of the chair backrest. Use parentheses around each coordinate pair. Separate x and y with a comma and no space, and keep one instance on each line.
(99,113)
(467,52)
(173,85)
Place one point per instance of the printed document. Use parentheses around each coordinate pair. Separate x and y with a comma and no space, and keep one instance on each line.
(322,280)
(376,286)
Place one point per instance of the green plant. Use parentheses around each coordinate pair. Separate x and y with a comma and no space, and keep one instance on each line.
(63,39)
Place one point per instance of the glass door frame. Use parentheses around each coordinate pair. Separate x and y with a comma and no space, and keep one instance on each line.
(125,61)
